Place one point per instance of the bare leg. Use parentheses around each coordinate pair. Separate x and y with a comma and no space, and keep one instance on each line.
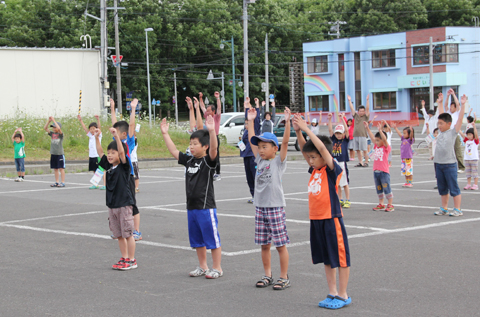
(267,259)
(469,181)
(339,193)
(365,156)
(62,172)
(131,247)
(380,201)
(122,244)
(137,183)
(202,257)
(347,192)
(352,154)
(445,201)
(359,155)
(136,222)
(217,259)
(457,201)
(283,254)
(343,276)
(56,175)
(331,280)
(476,180)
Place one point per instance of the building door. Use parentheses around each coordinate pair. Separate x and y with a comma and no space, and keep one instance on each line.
(419,94)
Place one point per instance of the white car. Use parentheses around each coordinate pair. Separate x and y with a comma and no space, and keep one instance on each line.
(231,125)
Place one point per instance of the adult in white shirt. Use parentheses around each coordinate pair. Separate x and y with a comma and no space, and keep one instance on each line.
(454,111)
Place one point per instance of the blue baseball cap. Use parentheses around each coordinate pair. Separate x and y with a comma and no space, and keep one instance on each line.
(265,137)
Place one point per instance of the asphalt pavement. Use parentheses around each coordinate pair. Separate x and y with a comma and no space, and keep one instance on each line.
(58,252)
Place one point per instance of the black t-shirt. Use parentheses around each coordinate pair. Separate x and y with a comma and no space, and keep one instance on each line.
(340,149)
(118,191)
(198,181)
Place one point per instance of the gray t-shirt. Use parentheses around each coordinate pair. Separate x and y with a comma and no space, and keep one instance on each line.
(445,148)
(359,128)
(56,147)
(268,182)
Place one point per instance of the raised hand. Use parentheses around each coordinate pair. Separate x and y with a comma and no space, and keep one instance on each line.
(133,104)
(423,103)
(189,102)
(164,126)
(200,95)
(273,103)
(50,118)
(19,129)
(393,125)
(256,101)
(113,131)
(365,123)
(440,98)
(79,117)
(463,99)
(195,102)
(296,127)
(379,126)
(252,114)
(329,116)
(96,116)
(264,103)
(349,98)
(287,114)
(98,132)
(210,123)
(112,103)
(368,97)
(300,123)
(217,94)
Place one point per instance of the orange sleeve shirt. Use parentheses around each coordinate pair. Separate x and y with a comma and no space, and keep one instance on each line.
(323,200)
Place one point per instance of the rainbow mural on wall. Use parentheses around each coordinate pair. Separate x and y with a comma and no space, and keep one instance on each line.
(321,85)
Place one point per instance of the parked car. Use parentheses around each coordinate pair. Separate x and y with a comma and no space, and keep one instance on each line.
(279,128)
(231,125)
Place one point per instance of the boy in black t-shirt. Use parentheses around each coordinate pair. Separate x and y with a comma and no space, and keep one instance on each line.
(119,198)
(340,139)
(201,209)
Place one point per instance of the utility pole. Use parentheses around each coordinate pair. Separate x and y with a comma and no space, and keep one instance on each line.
(117,52)
(267,90)
(336,28)
(176,100)
(245,49)
(103,49)
(430,62)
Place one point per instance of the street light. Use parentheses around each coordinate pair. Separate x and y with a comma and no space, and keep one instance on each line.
(148,77)
(222,94)
(222,46)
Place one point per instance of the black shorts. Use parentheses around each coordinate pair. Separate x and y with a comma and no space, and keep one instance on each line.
(132,188)
(135,170)
(329,242)
(92,164)
(57,161)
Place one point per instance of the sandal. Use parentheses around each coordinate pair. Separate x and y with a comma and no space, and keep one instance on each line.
(338,302)
(54,185)
(281,284)
(365,165)
(359,165)
(326,301)
(264,282)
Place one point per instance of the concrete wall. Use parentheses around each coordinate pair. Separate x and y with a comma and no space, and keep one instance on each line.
(47,82)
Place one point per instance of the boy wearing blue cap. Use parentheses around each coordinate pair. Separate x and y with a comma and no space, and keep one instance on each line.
(269,199)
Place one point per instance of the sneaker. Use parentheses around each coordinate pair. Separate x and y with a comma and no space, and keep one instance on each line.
(441,212)
(461,171)
(436,187)
(474,187)
(217,177)
(93,187)
(346,204)
(127,265)
(251,200)
(379,207)
(198,272)
(405,185)
(389,208)
(137,235)
(113,237)
(342,203)
(103,187)
(61,185)
(21,179)
(213,273)
(456,213)
(467,187)
(133,263)
(18,179)
(120,263)
(408,185)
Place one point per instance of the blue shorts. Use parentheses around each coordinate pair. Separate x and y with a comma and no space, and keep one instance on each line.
(20,164)
(382,182)
(329,242)
(57,161)
(203,228)
(447,179)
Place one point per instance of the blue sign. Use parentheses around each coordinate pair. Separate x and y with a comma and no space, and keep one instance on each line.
(158,103)
(129,100)
(272,96)
(153,102)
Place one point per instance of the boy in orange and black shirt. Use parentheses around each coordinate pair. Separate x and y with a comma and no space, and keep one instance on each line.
(328,238)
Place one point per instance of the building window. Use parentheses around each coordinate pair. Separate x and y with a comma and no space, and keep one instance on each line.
(358,99)
(318,64)
(318,103)
(357,65)
(442,53)
(341,67)
(385,100)
(358,81)
(384,58)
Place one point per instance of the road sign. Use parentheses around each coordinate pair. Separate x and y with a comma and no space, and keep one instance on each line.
(158,103)
(240,83)
(230,82)
(114,59)
(272,96)
(153,102)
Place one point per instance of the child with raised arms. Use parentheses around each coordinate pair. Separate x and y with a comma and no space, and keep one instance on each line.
(270,219)
(92,147)
(201,207)
(381,169)
(406,153)
(57,157)
(470,156)
(328,237)
(18,140)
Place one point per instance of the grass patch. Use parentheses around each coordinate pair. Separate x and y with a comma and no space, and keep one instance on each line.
(75,143)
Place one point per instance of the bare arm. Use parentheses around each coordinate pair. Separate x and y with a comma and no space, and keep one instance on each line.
(98,121)
(112,111)
(367,106)
(83,124)
(382,135)
(197,112)
(191,113)
(98,144)
(350,104)
(21,133)
(212,149)
(341,117)
(301,140)
(457,104)
(327,157)
(396,129)
(168,141)
(370,134)
(57,126)
(330,129)
(440,108)
(121,150)
(458,125)
(286,136)
(46,125)
(202,104)
(219,102)
(131,126)
(252,114)
(13,135)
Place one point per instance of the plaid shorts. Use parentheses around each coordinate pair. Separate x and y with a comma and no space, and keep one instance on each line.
(270,225)
(407,167)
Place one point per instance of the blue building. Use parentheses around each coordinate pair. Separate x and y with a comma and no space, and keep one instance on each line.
(392,68)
